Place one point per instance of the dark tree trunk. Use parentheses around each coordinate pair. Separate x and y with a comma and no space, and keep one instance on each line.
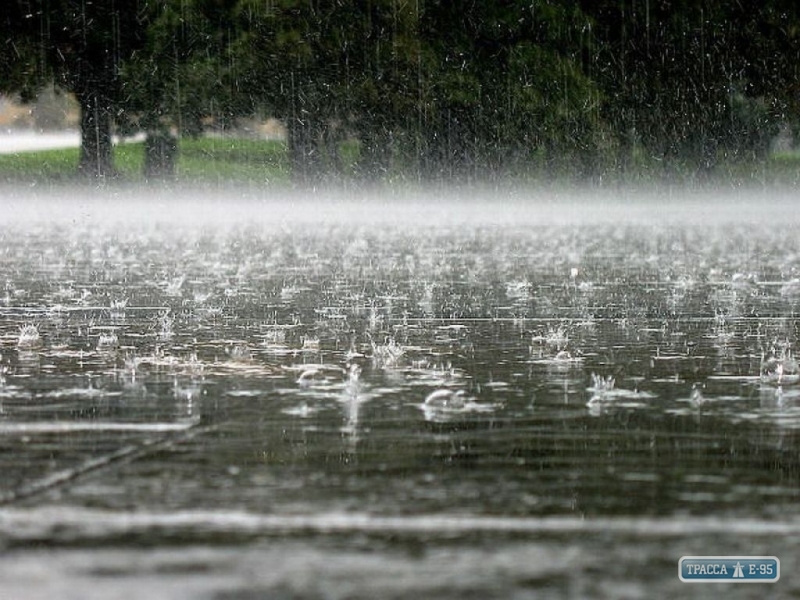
(304,155)
(160,152)
(96,148)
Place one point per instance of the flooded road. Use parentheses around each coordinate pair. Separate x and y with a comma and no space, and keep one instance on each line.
(272,398)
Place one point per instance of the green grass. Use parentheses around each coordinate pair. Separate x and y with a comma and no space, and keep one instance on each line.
(200,161)
(224,160)
(231,159)
(40,166)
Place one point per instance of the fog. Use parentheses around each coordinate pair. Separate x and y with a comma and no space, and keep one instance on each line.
(435,207)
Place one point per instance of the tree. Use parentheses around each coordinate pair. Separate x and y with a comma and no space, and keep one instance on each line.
(17,53)
(183,78)
(291,56)
(455,89)
(691,84)
(80,45)
(334,70)
(504,88)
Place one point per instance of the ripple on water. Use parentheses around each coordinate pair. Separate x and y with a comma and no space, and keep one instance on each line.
(246,336)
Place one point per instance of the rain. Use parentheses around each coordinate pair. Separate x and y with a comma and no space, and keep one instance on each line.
(321,300)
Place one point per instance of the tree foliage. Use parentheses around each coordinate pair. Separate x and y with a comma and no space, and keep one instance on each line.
(462,89)
(81,46)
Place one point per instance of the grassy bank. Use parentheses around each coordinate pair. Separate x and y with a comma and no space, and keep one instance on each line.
(221,160)
(204,160)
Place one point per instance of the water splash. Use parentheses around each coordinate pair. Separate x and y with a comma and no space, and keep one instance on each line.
(166,322)
(553,346)
(387,354)
(446,404)
(601,388)
(117,308)
(696,398)
(28,338)
(321,375)
(605,393)
(174,287)
(107,341)
(780,367)
(445,399)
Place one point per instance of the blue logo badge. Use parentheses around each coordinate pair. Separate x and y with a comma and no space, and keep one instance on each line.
(738,569)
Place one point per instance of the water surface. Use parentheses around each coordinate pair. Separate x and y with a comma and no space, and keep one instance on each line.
(227,398)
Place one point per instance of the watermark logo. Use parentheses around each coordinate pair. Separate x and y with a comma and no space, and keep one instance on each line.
(738,569)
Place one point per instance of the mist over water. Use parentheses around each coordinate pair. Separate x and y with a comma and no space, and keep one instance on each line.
(510,393)
(445,206)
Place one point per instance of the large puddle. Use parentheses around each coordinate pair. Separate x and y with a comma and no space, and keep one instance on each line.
(541,397)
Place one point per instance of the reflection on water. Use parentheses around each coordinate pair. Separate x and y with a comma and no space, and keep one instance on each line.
(492,382)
